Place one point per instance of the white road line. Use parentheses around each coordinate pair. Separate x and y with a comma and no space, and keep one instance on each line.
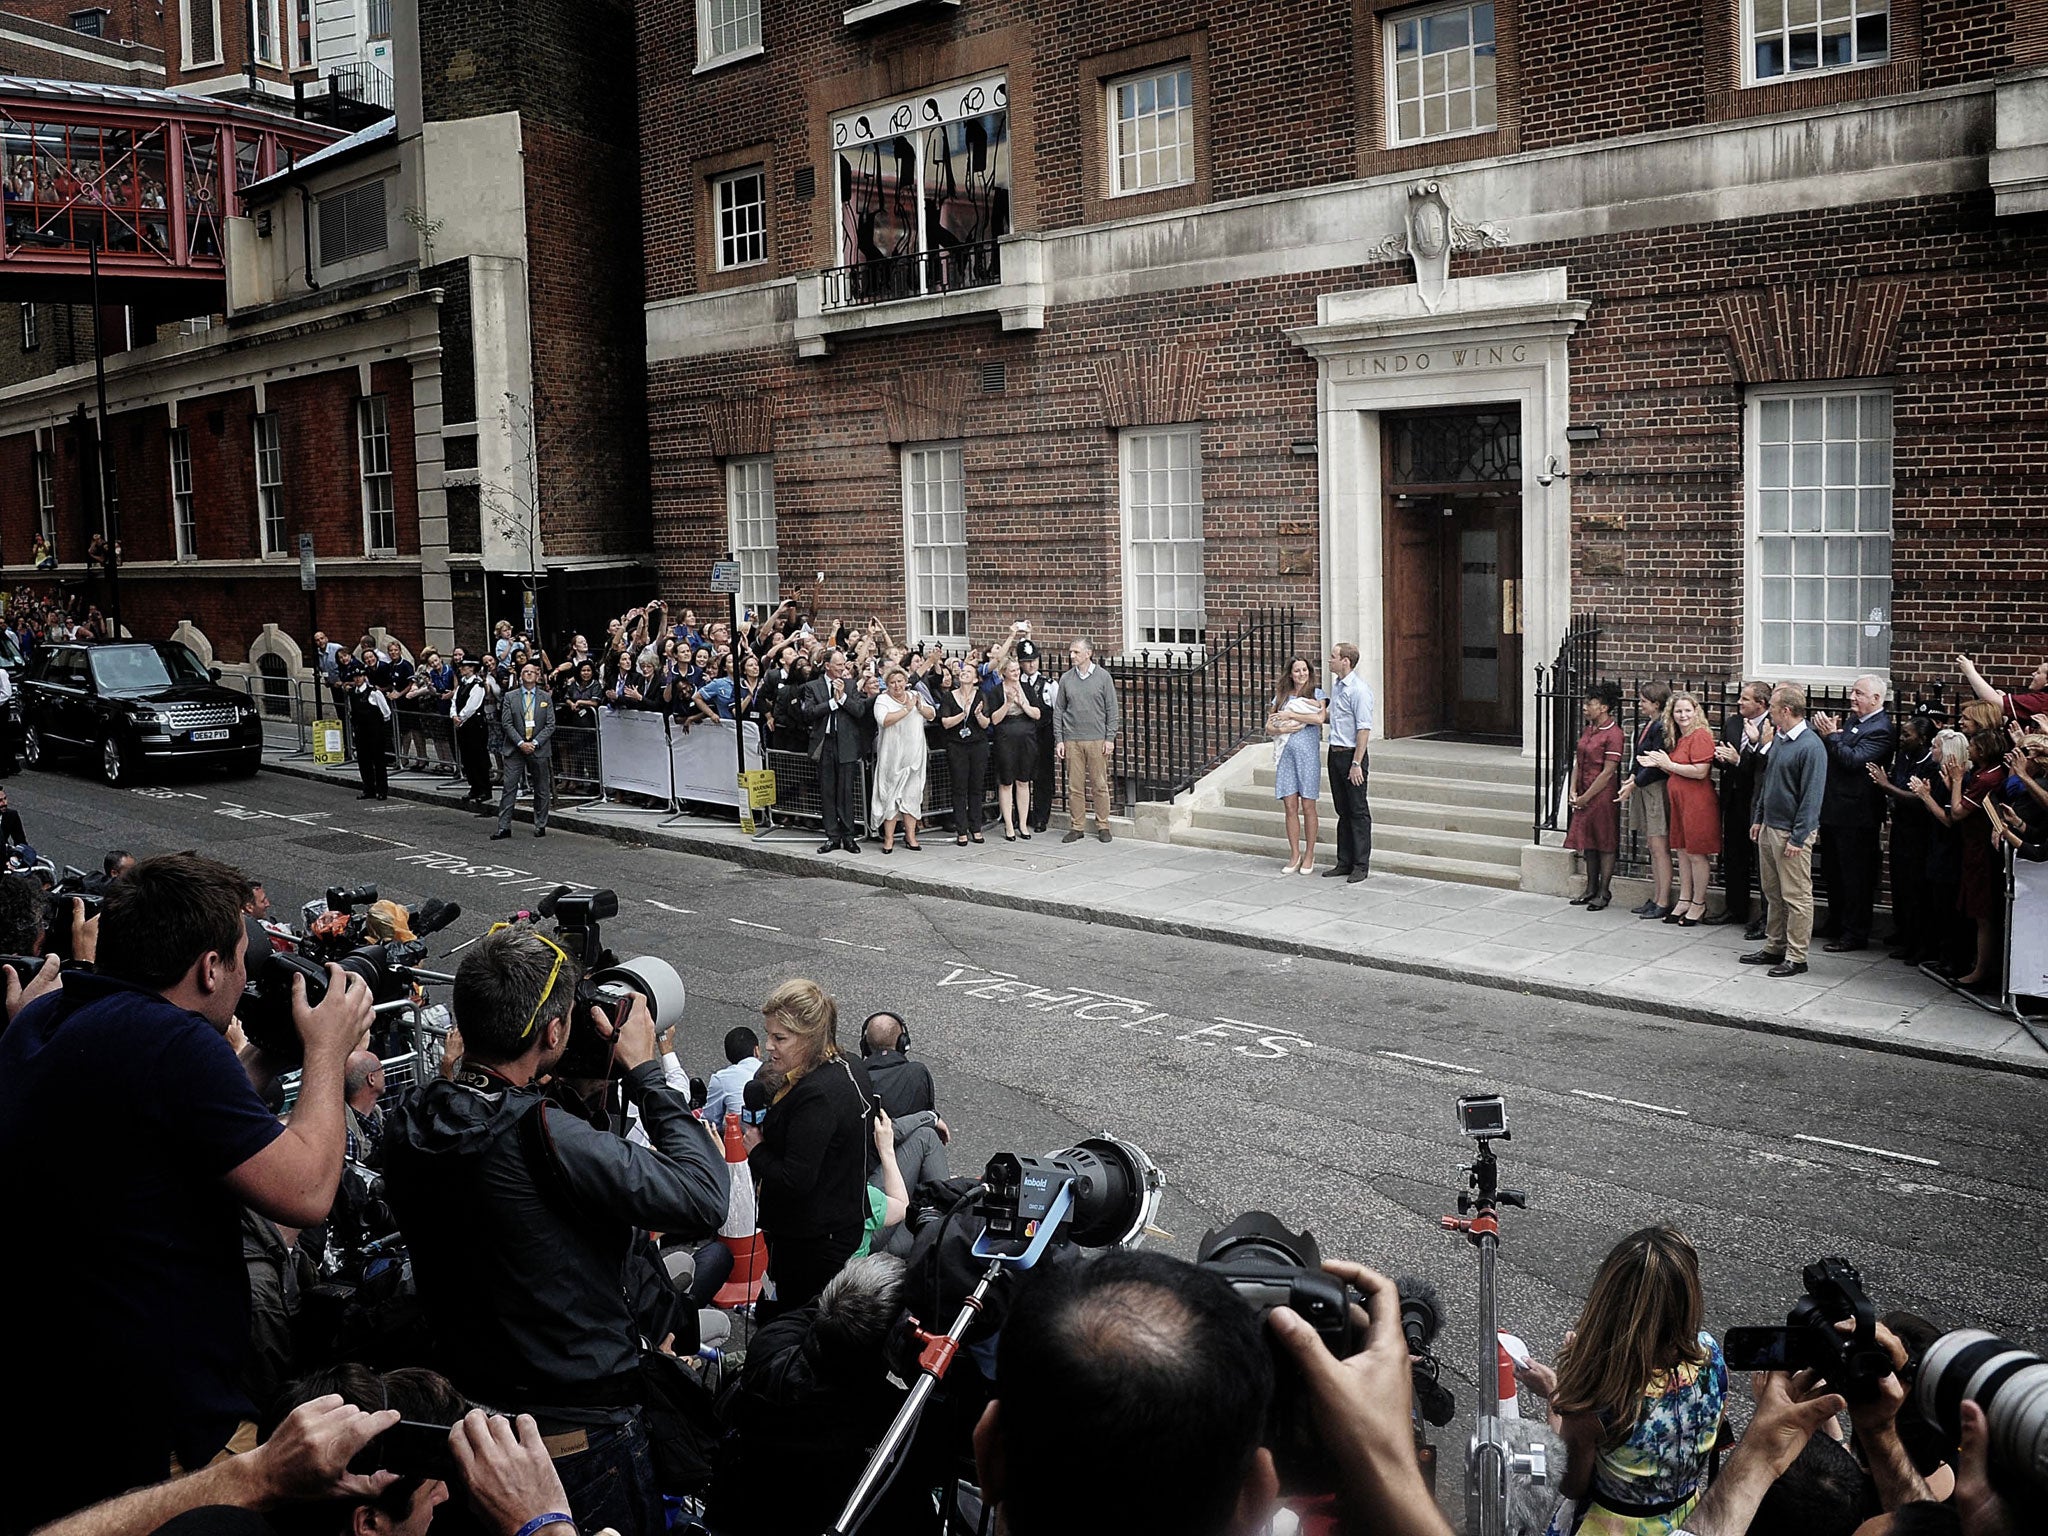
(1424,1061)
(1608,1098)
(742,922)
(679,911)
(846,943)
(373,837)
(1856,1146)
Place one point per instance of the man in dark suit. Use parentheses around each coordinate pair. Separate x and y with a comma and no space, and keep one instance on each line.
(829,706)
(528,722)
(369,719)
(1851,814)
(1744,736)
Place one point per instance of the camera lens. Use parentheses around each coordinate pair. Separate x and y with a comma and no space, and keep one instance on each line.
(2009,1383)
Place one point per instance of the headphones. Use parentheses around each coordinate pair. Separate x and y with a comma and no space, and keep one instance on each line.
(903,1039)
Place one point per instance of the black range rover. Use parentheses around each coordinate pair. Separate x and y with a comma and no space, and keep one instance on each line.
(128,704)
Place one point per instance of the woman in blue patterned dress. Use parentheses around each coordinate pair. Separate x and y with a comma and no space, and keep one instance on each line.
(1637,1393)
(1296,724)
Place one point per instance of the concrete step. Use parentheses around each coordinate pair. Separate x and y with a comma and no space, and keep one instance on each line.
(1385,861)
(1457,847)
(1388,811)
(1512,799)
(1453,759)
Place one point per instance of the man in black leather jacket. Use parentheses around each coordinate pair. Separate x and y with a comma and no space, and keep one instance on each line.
(519,1217)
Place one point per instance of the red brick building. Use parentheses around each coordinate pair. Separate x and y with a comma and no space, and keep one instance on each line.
(423,347)
(1441,322)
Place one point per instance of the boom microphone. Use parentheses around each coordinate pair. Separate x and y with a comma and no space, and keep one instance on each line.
(1421,1312)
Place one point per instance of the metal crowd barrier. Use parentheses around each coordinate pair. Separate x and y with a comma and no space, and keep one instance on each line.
(577,758)
(796,790)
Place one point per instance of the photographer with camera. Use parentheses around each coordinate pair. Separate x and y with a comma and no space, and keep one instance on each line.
(23,913)
(519,1216)
(177,1142)
(1132,1391)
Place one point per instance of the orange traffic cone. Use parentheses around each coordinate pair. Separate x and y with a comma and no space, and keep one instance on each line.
(742,1230)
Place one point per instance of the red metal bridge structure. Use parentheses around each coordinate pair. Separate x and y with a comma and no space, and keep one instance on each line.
(145,177)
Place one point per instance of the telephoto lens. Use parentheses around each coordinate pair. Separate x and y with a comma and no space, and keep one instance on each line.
(2009,1383)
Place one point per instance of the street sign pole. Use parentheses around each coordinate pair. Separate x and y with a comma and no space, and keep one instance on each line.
(309,583)
(725,577)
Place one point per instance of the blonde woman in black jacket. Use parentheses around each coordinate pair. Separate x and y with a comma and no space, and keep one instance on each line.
(810,1156)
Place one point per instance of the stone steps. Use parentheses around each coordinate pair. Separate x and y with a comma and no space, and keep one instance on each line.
(1441,810)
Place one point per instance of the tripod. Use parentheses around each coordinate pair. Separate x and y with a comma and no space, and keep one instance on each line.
(1494,1458)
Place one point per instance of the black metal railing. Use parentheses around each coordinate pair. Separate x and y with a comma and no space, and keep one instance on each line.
(1560,687)
(911,276)
(1184,712)
(1561,690)
(363,82)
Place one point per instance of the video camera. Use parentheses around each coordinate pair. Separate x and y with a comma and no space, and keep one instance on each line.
(342,935)
(1851,1363)
(2009,1383)
(1270,1267)
(605,981)
(89,890)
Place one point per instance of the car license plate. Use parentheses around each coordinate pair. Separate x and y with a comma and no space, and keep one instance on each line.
(209,735)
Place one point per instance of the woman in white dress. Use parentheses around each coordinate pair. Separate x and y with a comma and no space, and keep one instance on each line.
(900,717)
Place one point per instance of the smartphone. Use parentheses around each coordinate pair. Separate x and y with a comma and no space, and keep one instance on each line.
(410,1449)
(1773,1349)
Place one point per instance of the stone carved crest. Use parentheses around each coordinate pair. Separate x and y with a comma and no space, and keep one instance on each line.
(1433,231)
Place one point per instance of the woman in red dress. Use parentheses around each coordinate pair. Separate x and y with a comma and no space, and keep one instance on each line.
(1973,797)
(1695,808)
(1596,819)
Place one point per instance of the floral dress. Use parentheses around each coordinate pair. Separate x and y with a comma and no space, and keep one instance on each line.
(1298,764)
(1662,1465)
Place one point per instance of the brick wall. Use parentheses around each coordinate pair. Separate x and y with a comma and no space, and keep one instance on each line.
(560,64)
(1657,501)
(1294,93)
(322,495)
(158,24)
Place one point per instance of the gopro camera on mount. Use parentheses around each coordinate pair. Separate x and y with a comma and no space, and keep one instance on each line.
(1484,1117)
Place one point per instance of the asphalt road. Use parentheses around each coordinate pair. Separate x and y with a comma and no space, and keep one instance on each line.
(1316,1091)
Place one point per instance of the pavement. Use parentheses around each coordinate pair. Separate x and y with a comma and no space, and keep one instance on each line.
(1538,946)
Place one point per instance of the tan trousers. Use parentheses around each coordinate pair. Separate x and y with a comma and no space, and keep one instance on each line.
(1088,768)
(1788,891)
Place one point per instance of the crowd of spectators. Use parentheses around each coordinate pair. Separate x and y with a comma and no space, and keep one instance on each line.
(991,712)
(533,1332)
(1957,791)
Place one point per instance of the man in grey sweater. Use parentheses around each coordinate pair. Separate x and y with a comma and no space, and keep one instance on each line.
(1084,727)
(1785,825)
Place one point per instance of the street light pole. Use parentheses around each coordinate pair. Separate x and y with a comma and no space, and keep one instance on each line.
(110,514)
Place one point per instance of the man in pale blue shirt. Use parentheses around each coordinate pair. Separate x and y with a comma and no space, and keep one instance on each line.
(725,1093)
(1351,728)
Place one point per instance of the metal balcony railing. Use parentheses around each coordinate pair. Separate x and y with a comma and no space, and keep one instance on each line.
(914,275)
(363,82)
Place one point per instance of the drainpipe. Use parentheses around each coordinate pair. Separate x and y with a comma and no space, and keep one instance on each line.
(306,233)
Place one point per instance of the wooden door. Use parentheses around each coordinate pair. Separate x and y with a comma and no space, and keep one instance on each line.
(1481,557)
(1414,569)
